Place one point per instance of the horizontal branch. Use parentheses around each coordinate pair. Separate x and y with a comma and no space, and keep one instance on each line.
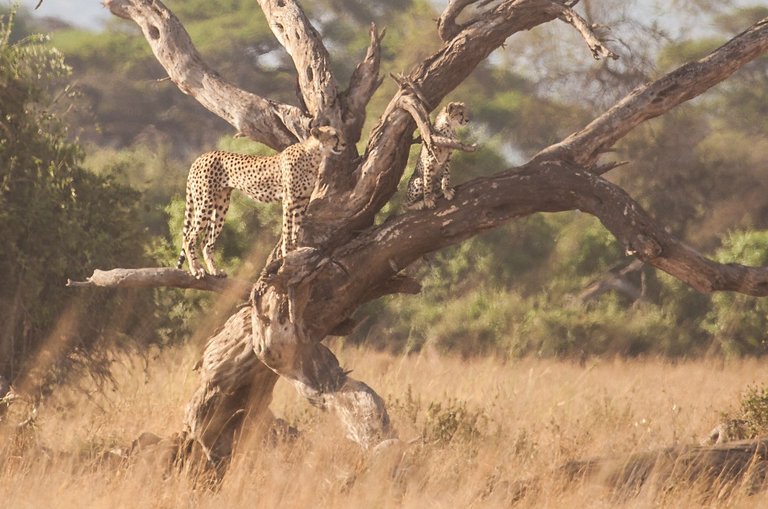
(274,124)
(161,277)
(660,96)
(442,141)
(545,186)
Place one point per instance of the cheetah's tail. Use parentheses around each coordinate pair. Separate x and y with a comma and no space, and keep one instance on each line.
(182,257)
(189,206)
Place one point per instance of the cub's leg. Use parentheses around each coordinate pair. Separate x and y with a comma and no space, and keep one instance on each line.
(415,193)
(414,199)
(429,175)
(220,208)
(445,182)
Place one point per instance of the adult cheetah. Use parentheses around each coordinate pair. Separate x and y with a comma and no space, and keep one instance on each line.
(288,176)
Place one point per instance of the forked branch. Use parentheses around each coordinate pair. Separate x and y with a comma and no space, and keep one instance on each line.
(447,27)
(310,57)
(274,124)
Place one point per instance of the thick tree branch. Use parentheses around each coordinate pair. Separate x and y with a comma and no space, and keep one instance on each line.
(162,276)
(310,57)
(658,97)
(447,27)
(362,84)
(274,124)
(550,186)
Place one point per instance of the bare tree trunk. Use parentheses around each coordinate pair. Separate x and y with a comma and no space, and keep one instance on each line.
(234,388)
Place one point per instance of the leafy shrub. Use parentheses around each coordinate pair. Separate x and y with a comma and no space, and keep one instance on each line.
(754,410)
(57,220)
(739,323)
(451,422)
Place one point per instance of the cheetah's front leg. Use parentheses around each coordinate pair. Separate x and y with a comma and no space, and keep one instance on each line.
(445,182)
(293,215)
(429,195)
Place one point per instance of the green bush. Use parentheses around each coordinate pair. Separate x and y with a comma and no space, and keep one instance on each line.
(739,323)
(57,220)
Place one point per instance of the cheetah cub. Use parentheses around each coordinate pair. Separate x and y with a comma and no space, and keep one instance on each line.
(288,176)
(433,172)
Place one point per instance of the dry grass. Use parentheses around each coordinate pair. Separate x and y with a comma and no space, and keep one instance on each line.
(481,429)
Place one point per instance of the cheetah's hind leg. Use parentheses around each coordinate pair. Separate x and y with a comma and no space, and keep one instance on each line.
(221,206)
(198,224)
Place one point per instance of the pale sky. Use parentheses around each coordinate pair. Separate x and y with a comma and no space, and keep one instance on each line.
(82,13)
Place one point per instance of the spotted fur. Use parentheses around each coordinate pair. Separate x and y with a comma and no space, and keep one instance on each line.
(432,176)
(288,177)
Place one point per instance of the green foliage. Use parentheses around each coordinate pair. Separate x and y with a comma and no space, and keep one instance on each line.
(750,419)
(754,410)
(57,220)
(674,55)
(739,323)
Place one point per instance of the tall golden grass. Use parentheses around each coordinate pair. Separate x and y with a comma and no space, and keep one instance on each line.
(478,432)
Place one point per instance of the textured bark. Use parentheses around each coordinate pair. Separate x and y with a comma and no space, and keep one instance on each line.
(362,84)
(311,60)
(234,388)
(162,276)
(274,124)
(347,258)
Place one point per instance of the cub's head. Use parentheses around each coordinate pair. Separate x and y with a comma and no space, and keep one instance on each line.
(331,140)
(457,113)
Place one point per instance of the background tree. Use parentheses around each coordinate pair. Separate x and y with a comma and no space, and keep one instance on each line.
(56,215)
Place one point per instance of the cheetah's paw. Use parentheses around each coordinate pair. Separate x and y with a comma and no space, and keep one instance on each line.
(449,193)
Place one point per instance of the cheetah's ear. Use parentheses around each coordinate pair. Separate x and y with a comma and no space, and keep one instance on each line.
(454,106)
(315,132)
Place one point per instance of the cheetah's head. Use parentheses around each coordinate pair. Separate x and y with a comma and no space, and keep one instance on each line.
(458,114)
(331,140)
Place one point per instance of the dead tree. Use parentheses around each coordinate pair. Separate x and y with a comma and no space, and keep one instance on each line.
(347,259)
